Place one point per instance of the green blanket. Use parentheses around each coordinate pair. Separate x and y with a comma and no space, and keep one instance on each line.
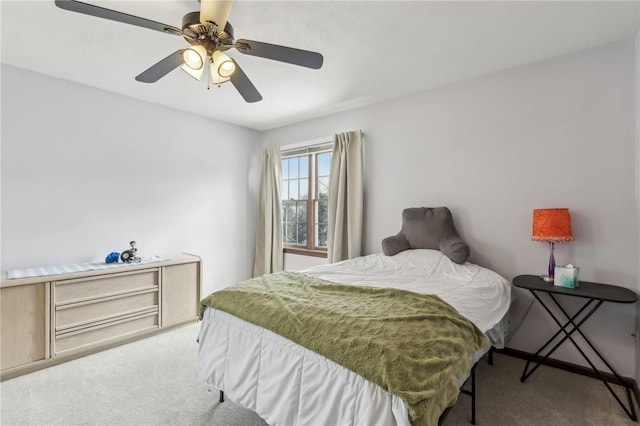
(412,345)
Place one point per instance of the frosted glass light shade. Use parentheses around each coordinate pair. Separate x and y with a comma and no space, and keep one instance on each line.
(194,57)
(197,74)
(221,68)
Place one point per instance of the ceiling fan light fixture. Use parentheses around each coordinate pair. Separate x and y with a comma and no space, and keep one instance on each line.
(222,67)
(226,68)
(197,74)
(216,78)
(194,57)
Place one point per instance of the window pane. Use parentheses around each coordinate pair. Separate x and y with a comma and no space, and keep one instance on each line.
(293,211)
(293,167)
(284,192)
(320,227)
(293,189)
(304,167)
(323,187)
(285,169)
(322,212)
(324,163)
(304,189)
(321,236)
(302,212)
(302,234)
(291,233)
(289,214)
(302,222)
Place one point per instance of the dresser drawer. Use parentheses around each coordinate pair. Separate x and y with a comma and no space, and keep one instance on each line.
(105,333)
(70,291)
(74,315)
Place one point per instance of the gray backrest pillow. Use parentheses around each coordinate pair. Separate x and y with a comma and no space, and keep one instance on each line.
(428,228)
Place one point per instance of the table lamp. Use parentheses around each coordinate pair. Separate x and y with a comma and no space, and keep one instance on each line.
(552,226)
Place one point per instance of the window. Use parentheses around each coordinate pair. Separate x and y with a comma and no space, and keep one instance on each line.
(305,202)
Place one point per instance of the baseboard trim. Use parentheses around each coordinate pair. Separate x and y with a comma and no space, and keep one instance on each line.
(574,368)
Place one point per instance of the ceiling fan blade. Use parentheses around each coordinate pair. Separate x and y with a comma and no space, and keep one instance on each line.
(304,58)
(162,68)
(243,85)
(101,12)
(215,11)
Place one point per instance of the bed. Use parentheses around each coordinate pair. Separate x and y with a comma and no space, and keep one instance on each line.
(287,383)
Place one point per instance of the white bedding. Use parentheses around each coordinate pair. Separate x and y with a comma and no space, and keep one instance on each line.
(477,293)
(287,384)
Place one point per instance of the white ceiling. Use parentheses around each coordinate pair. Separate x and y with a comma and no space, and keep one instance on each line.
(372,50)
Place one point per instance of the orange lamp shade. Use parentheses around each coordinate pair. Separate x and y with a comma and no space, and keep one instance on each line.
(552,225)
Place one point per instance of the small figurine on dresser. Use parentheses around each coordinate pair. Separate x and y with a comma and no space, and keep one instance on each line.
(129,256)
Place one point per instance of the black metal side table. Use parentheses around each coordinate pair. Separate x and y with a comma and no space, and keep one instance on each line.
(595,294)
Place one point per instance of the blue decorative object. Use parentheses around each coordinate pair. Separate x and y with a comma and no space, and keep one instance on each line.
(112,257)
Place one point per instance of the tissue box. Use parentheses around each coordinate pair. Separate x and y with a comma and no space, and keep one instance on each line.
(566,276)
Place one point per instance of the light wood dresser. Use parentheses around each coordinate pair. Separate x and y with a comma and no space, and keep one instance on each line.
(50,319)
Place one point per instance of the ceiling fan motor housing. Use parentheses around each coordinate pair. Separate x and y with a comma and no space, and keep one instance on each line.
(212,41)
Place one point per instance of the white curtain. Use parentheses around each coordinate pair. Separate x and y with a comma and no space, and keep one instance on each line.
(346,185)
(269,257)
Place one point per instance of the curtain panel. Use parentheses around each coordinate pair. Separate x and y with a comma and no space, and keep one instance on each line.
(346,188)
(269,256)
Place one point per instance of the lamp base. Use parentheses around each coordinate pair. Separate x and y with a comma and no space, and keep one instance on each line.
(547,278)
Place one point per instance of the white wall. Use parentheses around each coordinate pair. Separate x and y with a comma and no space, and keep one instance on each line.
(637,330)
(559,133)
(85,171)
(296,262)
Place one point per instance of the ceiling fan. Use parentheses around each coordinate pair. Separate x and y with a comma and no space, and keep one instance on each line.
(209,34)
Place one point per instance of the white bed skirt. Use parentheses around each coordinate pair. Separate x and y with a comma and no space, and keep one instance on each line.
(287,384)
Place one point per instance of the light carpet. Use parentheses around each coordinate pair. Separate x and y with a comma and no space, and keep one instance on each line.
(153,382)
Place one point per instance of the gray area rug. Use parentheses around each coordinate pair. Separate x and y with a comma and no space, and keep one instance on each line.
(152,382)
